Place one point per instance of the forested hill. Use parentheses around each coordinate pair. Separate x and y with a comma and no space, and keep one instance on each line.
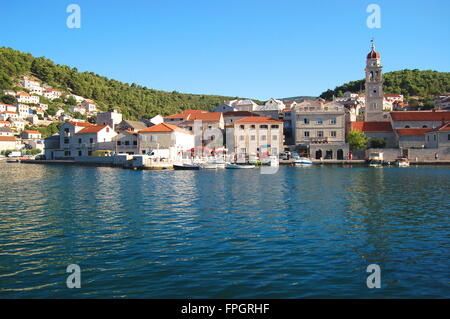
(134,101)
(424,84)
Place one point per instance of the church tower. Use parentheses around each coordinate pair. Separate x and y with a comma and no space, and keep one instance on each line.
(374,87)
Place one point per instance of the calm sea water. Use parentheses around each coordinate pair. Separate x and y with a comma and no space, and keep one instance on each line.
(302,232)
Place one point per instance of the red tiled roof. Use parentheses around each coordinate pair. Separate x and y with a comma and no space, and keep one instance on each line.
(392,95)
(4,122)
(254,119)
(92,129)
(420,116)
(443,127)
(412,131)
(82,124)
(175,116)
(164,127)
(9,112)
(32,132)
(207,116)
(8,139)
(372,126)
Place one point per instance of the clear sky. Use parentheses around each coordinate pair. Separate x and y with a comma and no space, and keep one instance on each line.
(248,48)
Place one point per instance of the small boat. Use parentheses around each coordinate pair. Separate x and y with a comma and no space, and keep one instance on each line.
(237,166)
(376,159)
(402,162)
(184,167)
(13,160)
(303,161)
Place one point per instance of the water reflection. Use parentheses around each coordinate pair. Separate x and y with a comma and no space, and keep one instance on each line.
(298,233)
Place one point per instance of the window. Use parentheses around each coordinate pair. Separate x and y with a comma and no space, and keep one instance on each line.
(333,133)
(319,121)
(91,140)
(210,127)
(274,137)
(241,138)
(66,153)
(306,121)
(263,137)
(127,142)
(448,137)
(89,153)
(134,142)
(153,138)
(274,126)
(263,127)
(252,138)
(333,121)
(424,126)
(306,134)
(79,153)
(319,133)
(241,127)
(406,126)
(79,141)
(66,140)
(119,143)
(252,127)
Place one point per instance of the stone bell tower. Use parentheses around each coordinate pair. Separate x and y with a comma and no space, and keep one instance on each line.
(374,87)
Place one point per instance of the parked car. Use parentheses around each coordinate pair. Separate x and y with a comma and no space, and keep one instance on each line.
(40,157)
(284,156)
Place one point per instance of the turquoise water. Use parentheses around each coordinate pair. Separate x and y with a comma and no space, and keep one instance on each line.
(299,233)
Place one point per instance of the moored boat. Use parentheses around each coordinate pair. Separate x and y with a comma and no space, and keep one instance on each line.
(303,161)
(402,162)
(237,166)
(184,167)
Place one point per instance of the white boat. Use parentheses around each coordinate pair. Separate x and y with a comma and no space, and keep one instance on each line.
(274,161)
(402,162)
(236,166)
(376,159)
(303,161)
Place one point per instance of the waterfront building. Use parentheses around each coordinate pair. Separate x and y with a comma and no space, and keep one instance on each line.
(9,143)
(23,110)
(224,108)
(165,136)
(126,142)
(439,137)
(320,129)
(257,136)
(377,130)
(109,118)
(37,90)
(231,117)
(18,124)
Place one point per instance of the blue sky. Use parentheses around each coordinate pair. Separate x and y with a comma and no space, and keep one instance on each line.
(257,49)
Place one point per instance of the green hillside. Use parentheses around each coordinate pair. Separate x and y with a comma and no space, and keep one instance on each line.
(133,100)
(424,84)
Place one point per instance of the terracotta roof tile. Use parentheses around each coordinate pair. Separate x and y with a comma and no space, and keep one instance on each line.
(412,131)
(164,127)
(92,129)
(420,116)
(8,139)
